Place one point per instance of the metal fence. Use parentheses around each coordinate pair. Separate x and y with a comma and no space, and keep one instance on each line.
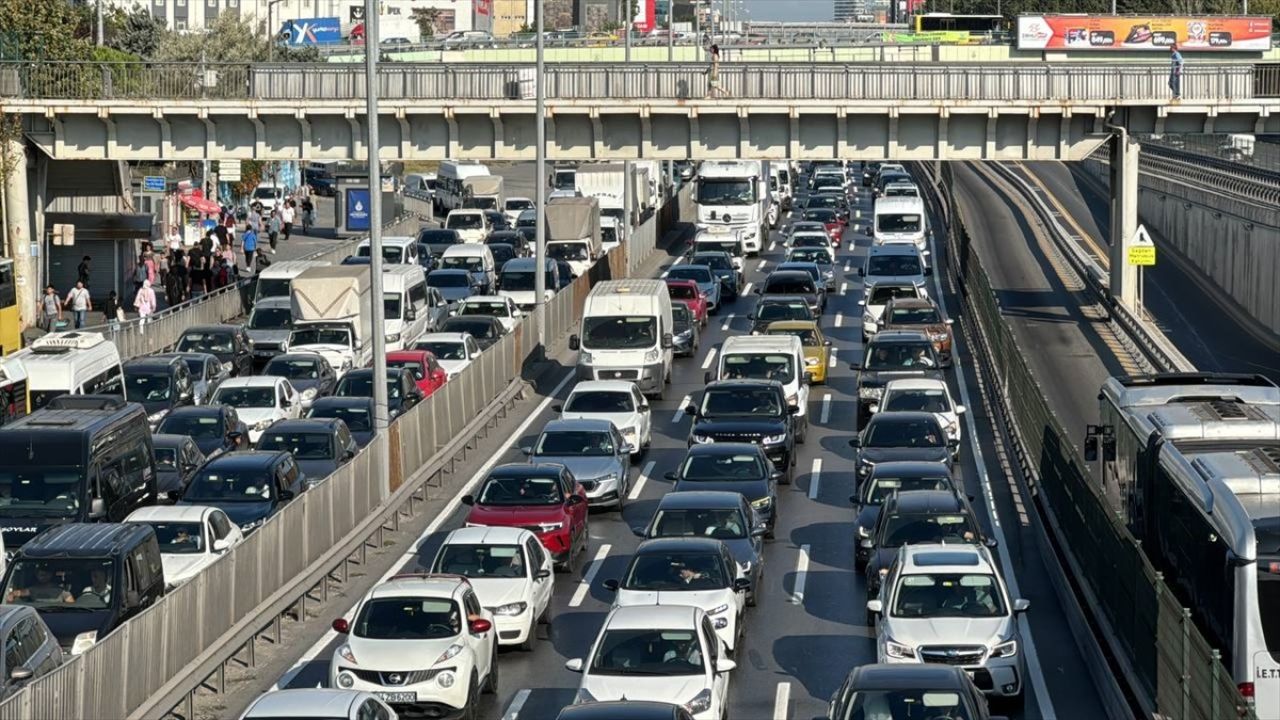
(1173,669)
(159,659)
(1032,82)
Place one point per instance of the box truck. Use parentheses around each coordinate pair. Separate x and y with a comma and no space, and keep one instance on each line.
(573,231)
(332,316)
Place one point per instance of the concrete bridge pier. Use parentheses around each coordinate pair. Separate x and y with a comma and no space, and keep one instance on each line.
(17,214)
(1124,217)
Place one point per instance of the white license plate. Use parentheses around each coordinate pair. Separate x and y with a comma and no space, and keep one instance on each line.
(398,697)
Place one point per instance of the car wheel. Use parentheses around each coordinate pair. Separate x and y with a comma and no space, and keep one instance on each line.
(768,533)
(803,433)
(470,712)
(623,488)
(491,682)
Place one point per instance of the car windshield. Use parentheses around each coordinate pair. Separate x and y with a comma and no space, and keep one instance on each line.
(818,255)
(245,397)
(715,262)
(439,237)
(899,355)
(70,585)
(360,384)
(697,273)
(741,401)
(264,318)
(893,265)
(923,400)
(876,704)
(884,487)
(412,366)
(470,263)
(722,466)
(824,215)
(789,284)
(608,235)
(519,204)
(293,368)
(808,336)
(197,427)
(263,193)
(506,490)
(882,294)
(217,343)
(600,401)
(357,418)
(214,485)
(492,308)
(682,292)
(320,336)
(578,443)
(619,332)
(898,222)
(443,349)
(501,253)
(40,489)
(179,538)
(408,618)
(568,251)
(516,280)
(810,240)
(302,445)
(166,458)
(948,595)
(478,328)
(481,561)
(914,316)
(464,221)
(392,254)
(648,652)
(729,246)
(771,311)
(735,191)
(890,431)
(718,524)
(658,572)
(818,202)
(925,528)
(681,316)
(147,387)
(759,366)
(448,279)
(195,366)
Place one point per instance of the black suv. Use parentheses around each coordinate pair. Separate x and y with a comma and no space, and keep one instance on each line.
(774,308)
(796,284)
(732,467)
(870,687)
(754,411)
(885,480)
(890,355)
(914,518)
(229,343)
(902,436)
(159,385)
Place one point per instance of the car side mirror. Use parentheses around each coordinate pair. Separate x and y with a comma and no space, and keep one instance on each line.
(574,665)
(853,500)
(98,508)
(526,450)
(855,442)
(574,500)
(1091,448)
(776,475)
(691,410)
(286,494)
(670,475)
(724,665)
(1021,605)
(875,606)
(953,444)
(668,341)
(21,673)
(756,291)
(826,343)
(741,584)
(468,499)
(611,585)
(542,574)
(928,270)
(862,303)
(991,543)
(949,321)
(793,409)
(960,409)
(760,530)
(557,408)
(855,366)
(349,454)
(807,378)
(873,408)
(862,272)
(479,626)
(574,343)
(221,545)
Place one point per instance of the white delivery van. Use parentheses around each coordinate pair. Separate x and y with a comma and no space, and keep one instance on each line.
(627,334)
(451,188)
(900,219)
(768,357)
(476,259)
(70,363)
(404,305)
(472,225)
(396,250)
(275,280)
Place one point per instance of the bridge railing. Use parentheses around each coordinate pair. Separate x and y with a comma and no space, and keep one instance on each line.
(932,82)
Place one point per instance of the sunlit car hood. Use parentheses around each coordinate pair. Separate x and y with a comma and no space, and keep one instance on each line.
(949,630)
(677,688)
(402,655)
(494,591)
(583,468)
(180,568)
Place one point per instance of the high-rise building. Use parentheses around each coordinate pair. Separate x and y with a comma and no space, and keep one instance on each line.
(847,10)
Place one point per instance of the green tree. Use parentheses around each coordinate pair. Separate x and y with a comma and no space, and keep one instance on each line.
(43,30)
(426,20)
(139,34)
(228,40)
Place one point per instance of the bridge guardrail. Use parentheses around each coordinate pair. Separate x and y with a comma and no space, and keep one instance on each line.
(1025,82)
(158,659)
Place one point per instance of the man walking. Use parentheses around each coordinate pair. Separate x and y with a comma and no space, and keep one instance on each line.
(50,309)
(1175,72)
(82,271)
(79,302)
(286,219)
(250,245)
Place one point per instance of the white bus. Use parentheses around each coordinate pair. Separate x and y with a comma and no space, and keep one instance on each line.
(70,363)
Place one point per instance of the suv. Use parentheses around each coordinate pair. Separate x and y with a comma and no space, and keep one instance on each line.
(923,315)
(876,296)
(796,283)
(229,343)
(891,355)
(159,385)
(948,605)
(250,487)
(872,691)
(779,307)
(319,445)
(884,481)
(896,263)
(754,411)
(913,518)
(433,645)
(545,499)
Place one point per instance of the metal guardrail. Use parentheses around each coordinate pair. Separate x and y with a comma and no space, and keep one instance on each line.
(1218,175)
(1004,82)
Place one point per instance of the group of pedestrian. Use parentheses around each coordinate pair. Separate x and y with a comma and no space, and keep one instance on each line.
(77,301)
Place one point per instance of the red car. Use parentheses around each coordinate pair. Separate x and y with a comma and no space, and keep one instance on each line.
(686,291)
(830,220)
(541,497)
(427,373)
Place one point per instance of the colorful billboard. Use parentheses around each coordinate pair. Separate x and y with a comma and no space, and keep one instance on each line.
(311,31)
(645,19)
(1130,32)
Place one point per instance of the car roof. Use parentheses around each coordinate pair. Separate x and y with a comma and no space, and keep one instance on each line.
(170,440)
(908,677)
(910,468)
(700,499)
(619,710)
(792,325)
(169,513)
(527,470)
(246,459)
(895,336)
(84,540)
(297,356)
(919,501)
(916,384)
(652,617)
(744,382)
(604,385)
(305,702)
(153,363)
(224,327)
(339,402)
(915,302)
(893,249)
(724,448)
(443,337)
(578,425)
(418,584)
(487,535)
(190,354)
(787,273)
(678,544)
(325,425)
(282,301)
(449,271)
(250,381)
(940,558)
(682,282)
(197,411)
(903,416)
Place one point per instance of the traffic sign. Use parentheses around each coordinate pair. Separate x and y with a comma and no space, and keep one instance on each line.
(153,183)
(229,171)
(1142,251)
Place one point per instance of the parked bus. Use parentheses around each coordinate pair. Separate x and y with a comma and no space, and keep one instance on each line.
(10,333)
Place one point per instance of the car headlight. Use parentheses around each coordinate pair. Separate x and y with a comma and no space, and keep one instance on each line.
(720,623)
(745,567)
(763,503)
(611,477)
(702,439)
(393,337)
(584,357)
(446,679)
(84,641)
(449,653)
(868,320)
(154,418)
(630,432)
(345,653)
(774,439)
(511,609)
(226,367)
(550,527)
(718,609)
(309,394)
(899,651)
(685,336)
(793,399)
(700,702)
(252,525)
(584,697)
(865,466)
(870,393)
(263,424)
(652,355)
(1005,649)
(938,337)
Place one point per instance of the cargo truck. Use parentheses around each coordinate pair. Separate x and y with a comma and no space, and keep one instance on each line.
(735,194)
(332,316)
(607,183)
(573,231)
(483,192)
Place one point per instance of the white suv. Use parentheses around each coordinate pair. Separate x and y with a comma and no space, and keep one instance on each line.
(511,574)
(421,643)
(947,604)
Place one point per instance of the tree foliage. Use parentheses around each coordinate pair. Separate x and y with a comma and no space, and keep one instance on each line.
(228,40)
(139,34)
(426,19)
(43,30)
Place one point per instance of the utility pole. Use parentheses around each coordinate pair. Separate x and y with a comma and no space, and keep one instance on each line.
(626,27)
(101,32)
(671,31)
(540,191)
(382,454)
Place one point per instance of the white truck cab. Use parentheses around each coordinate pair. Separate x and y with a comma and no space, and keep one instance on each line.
(735,194)
(472,224)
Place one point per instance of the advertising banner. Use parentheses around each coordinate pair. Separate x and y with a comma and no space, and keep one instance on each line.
(357,209)
(646,16)
(311,31)
(1130,32)
(484,7)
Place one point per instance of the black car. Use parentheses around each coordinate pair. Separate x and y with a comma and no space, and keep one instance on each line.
(916,518)
(356,412)
(754,411)
(206,372)
(625,710)
(486,330)
(320,445)
(502,252)
(723,516)
(402,389)
(564,271)
(773,308)
(830,201)
(871,689)
(889,436)
(177,459)
(721,265)
(883,179)
(159,385)
(310,374)
(890,355)
(886,479)
(215,428)
(513,238)
(229,343)
(438,240)
(684,330)
(248,486)
(797,284)
(498,220)
(869,170)
(732,467)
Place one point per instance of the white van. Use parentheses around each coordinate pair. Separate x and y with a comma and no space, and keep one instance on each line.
(268,196)
(518,281)
(396,250)
(627,334)
(450,189)
(472,225)
(70,363)
(478,259)
(900,219)
(404,304)
(768,357)
(276,280)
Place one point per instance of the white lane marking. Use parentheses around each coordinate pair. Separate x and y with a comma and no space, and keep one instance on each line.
(664,273)
(1038,686)
(679,414)
(762,264)
(826,409)
(781,699)
(839,319)
(711,357)
(640,481)
(844,288)
(831,361)
(517,704)
(747,290)
(589,577)
(773,246)
(727,322)
(815,478)
(846,265)
(802,569)
(432,527)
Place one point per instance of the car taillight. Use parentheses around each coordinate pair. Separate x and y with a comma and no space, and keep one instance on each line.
(1246,690)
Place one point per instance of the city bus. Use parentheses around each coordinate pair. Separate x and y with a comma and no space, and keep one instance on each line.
(10,334)
(975,25)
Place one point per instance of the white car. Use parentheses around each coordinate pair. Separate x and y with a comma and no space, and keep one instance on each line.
(318,704)
(472,225)
(421,642)
(811,238)
(499,306)
(454,351)
(663,653)
(618,401)
(514,206)
(259,401)
(511,573)
(191,537)
(877,294)
(923,395)
(687,571)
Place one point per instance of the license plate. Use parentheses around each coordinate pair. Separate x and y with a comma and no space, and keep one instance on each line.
(397,697)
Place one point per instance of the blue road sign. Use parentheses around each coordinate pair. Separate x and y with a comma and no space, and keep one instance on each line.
(153,183)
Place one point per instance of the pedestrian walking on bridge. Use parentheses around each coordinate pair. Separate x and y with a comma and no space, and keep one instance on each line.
(1175,71)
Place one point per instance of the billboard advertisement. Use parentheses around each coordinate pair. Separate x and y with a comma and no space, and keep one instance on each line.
(1129,32)
(357,209)
(311,31)
(646,16)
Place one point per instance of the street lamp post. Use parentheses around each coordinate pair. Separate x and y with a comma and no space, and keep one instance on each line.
(626,28)
(271,32)
(382,474)
(540,189)
(671,31)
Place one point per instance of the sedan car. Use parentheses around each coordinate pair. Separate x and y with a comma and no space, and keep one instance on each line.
(724,516)
(496,306)
(686,331)
(177,458)
(618,401)
(929,395)
(426,372)
(454,351)
(887,479)
(355,412)
(320,445)
(191,538)
(901,436)
(708,284)
(486,330)
(732,467)
(438,240)
(250,487)
(402,388)
(797,284)
(920,314)
(543,496)
(817,348)
(206,372)
(260,401)
(454,285)
(721,264)
(594,451)
(890,356)
(824,258)
(832,221)
(914,518)
(773,308)
(310,375)
(686,292)
(873,691)
(214,428)
(229,343)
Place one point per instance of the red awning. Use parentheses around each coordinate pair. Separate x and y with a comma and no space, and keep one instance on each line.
(201,205)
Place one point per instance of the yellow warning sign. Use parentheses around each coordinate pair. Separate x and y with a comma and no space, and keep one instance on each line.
(1142,255)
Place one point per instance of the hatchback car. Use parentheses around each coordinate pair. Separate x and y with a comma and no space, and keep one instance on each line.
(310,375)
(686,292)
(594,451)
(732,467)
(877,294)
(924,395)
(320,445)
(774,308)
(206,372)
(496,306)
(355,412)
(454,285)
(890,691)
(708,284)
(545,497)
(797,284)
(618,401)
(31,651)
(824,258)
(229,343)
(260,401)
(890,356)
(454,351)
(721,264)
(817,348)
(216,429)
(724,516)
(191,538)
(402,388)
(268,327)
(486,329)
(177,459)
(686,331)
(427,373)
(923,315)
(250,487)
(914,518)
(887,479)
(318,704)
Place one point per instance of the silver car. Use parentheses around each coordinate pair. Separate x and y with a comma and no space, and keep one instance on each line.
(269,324)
(594,451)
(30,649)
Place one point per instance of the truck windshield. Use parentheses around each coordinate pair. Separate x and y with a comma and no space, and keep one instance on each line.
(33,489)
(568,251)
(619,332)
(729,246)
(273,287)
(264,318)
(729,191)
(464,221)
(898,222)
(320,336)
(482,203)
(61,584)
(608,235)
(565,179)
(445,280)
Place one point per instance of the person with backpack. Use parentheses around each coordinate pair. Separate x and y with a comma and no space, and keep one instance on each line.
(250,246)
